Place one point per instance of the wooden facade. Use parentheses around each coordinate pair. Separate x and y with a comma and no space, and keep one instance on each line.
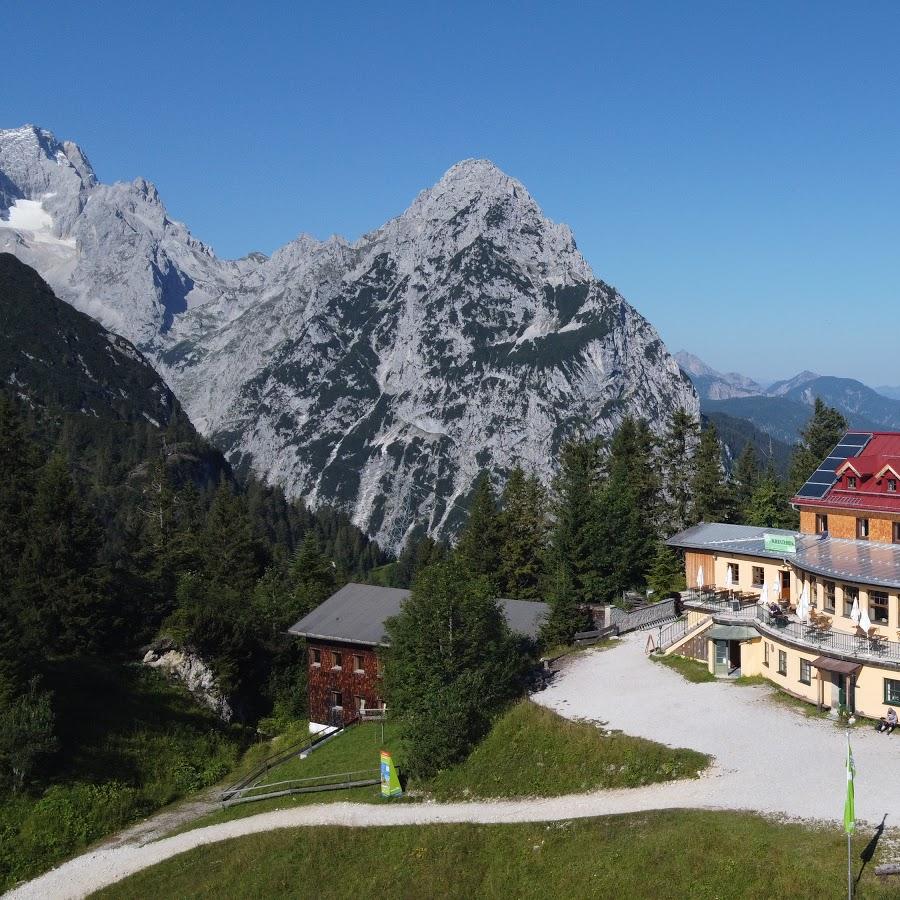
(342,678)
(842,524)
(693,562)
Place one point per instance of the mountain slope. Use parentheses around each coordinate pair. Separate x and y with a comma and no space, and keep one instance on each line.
(735,433)
(713,385)
(383,375)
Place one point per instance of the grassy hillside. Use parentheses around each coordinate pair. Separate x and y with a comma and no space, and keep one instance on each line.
(658,855)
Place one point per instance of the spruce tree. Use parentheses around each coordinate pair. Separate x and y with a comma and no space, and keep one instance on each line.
(823,431)
(566,616)
(312,575)
(677,451)
(769,506)
(231,555)
(523,526)
(478,549)
(451,663)
(666,572)
(745,477)
(712,501)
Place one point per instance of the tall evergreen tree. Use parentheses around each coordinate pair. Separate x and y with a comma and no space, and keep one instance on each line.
(677,451)
(769,506)
(478,548)
(523,526)
(666,571)
(745,477)
(712,501)
(823,431)
(312,576)
(452,661)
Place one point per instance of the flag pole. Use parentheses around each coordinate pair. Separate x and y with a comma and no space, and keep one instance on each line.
(850,816)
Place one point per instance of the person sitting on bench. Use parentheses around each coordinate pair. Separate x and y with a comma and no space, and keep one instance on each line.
(889,722)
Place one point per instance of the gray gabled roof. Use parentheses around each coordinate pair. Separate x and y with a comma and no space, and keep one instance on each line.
(357,612)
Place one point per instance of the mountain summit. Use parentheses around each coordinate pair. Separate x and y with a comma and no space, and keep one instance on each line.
(383,375)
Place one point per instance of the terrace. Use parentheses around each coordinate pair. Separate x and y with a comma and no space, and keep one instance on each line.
(733,608)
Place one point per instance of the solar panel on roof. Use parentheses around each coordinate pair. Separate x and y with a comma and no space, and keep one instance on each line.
(820,482)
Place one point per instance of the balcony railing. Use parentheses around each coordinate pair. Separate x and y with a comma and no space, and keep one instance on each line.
(868,649)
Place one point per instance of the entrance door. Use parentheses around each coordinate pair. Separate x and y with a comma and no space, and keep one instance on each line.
(786,586)
(734,654)
(840,683)
(721,658)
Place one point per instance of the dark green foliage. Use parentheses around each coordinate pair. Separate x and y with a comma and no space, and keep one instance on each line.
(678,446)
(822,432)
(312,576)
(666,571)
(478,548)
(451,664)
(418,552)
(567,616)
(26,735)
(524,529)
(768,505)
(744,479)
(711,497)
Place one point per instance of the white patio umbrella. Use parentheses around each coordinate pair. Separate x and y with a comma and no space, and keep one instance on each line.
(729,579)
(803,604)
(764,596)
(864,621)
(855,611)
(700,578)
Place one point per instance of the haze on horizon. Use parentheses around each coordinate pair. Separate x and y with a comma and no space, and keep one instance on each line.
(733,172)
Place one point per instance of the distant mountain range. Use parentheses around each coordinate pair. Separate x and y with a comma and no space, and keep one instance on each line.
(782,409)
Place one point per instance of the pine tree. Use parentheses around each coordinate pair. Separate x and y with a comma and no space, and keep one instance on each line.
(452,661)
(768,506)
(666,572)
(523,526)
(677,451)
(478,548)
(823,431)
(574,544)
(312,576)
(745,477)
(231,555)
(566,616)
(712,501)
(59,572)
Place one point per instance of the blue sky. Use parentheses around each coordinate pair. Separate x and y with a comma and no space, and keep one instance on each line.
(733,168)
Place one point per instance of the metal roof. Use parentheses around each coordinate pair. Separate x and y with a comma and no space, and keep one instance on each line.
(746,540)
(841,666)
(357,612)
(867,562)
(731,633)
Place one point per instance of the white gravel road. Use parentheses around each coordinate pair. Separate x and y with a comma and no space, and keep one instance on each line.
(768,758)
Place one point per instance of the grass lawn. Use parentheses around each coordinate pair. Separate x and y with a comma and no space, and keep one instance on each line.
(530,752)
(691,669)
(136,743)
(659,855)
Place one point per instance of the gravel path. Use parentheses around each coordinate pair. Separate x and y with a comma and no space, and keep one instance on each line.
(768,758)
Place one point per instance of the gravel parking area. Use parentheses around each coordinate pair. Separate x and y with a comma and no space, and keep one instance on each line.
(768,758)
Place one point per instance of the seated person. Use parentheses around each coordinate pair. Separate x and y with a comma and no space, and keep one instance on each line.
(774,609)
(889,722)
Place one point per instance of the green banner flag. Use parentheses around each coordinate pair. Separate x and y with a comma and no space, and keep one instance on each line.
(390,781)
(850,802)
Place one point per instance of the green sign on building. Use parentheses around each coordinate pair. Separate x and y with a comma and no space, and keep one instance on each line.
(780,543)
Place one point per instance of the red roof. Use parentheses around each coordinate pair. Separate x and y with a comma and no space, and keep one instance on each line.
(871,490)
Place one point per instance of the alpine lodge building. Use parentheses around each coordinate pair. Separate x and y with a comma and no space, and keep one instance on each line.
(816,612)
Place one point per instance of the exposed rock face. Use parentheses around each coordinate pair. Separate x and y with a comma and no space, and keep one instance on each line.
(194,673)
(466,334)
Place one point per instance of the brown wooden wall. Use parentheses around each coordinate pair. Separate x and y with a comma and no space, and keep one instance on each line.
(324,678)
(693,561)
(843,525)
(697,647)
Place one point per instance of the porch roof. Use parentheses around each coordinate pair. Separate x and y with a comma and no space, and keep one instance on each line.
(841,666)
(732,633)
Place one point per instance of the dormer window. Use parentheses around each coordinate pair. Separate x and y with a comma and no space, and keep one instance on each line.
(892,485)
(851,482)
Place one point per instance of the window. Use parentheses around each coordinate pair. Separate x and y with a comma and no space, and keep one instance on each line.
(765,653)
(358,663)
(337,699)
(336,660)
(878,606)
(862,529)
(759,576)
(895,532)
(821,523)
(891,691)
(892,485)
(315,656)
(805,672)
(851,594)
(782,662)
(360,704)
(735,573)
(829,596)
(851,482)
